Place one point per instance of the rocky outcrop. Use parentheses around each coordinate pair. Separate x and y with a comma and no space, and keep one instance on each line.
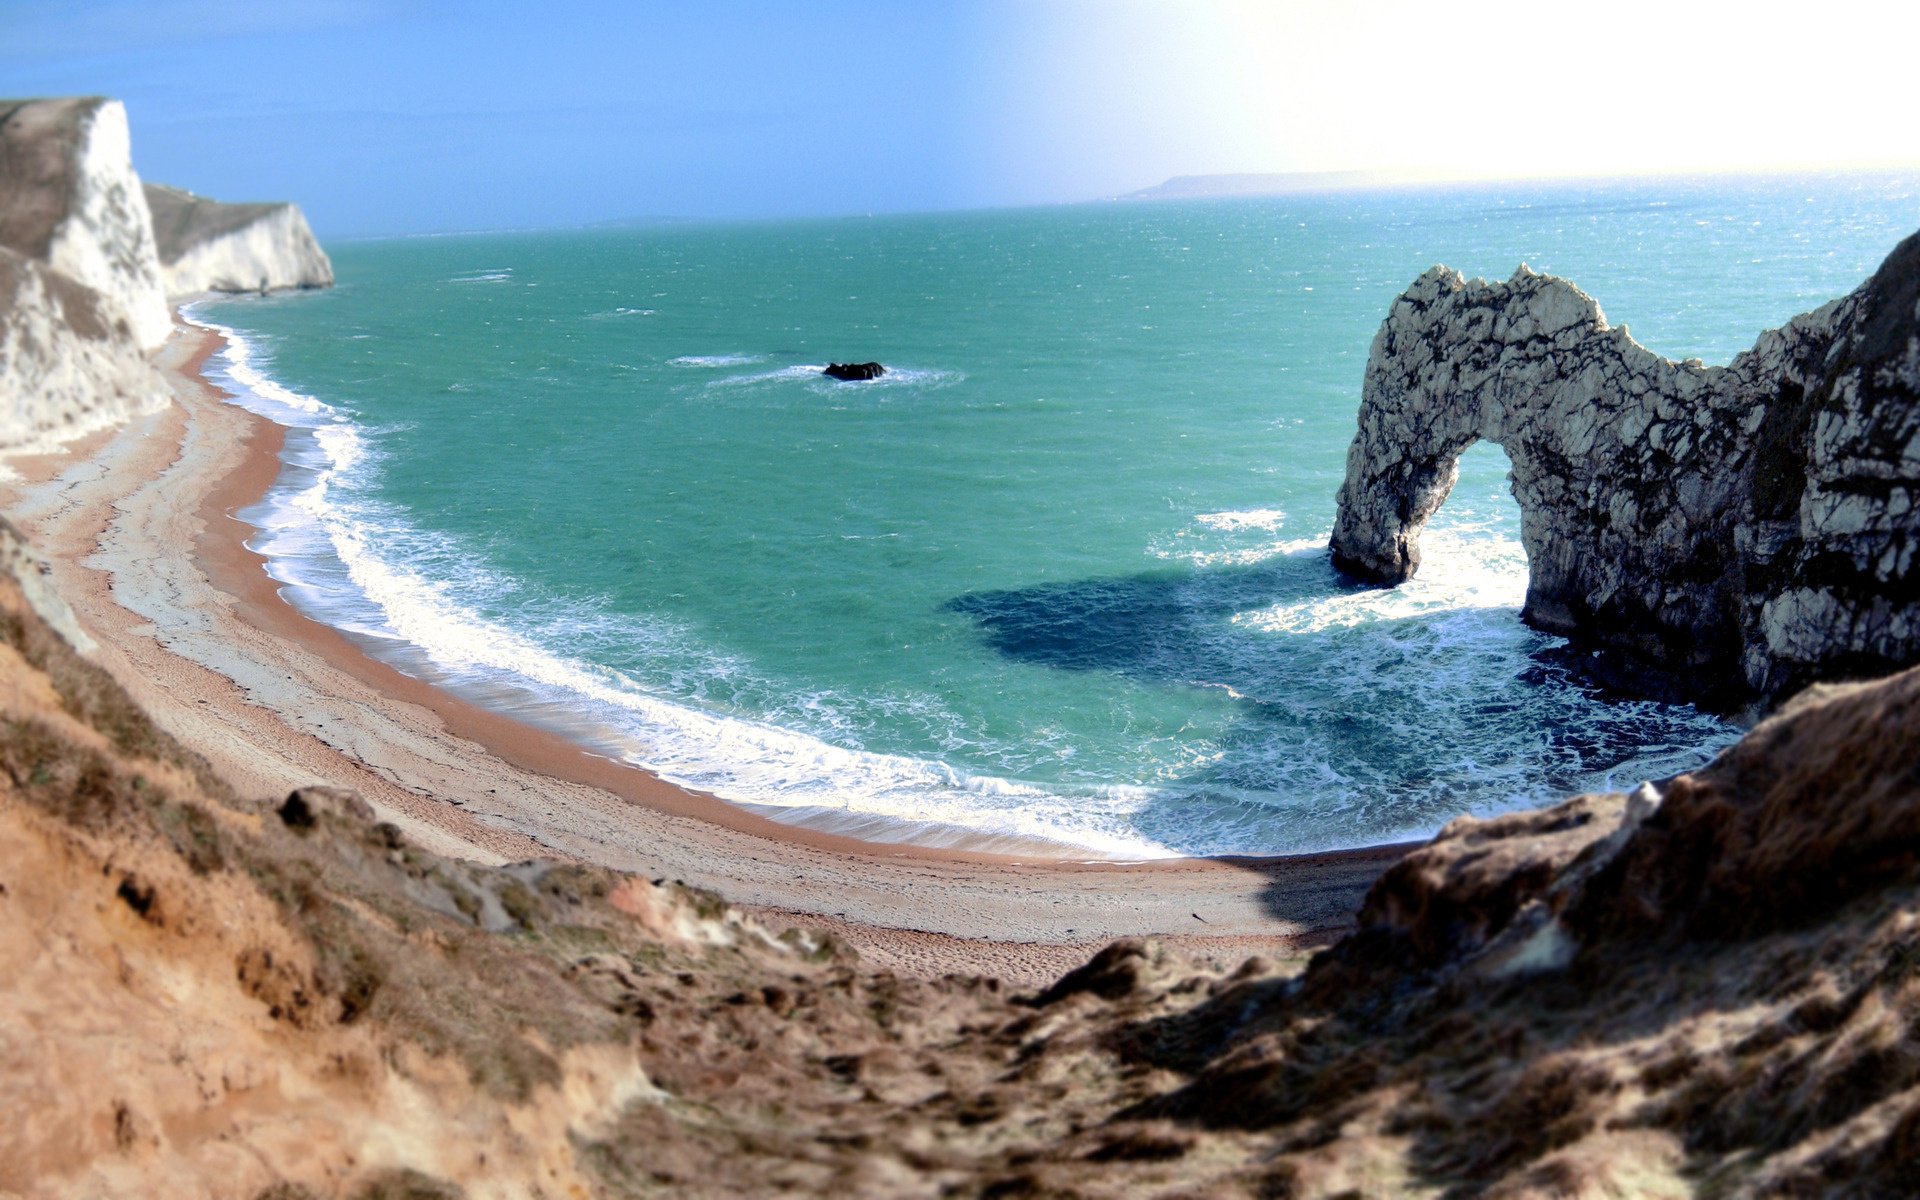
(69,200)
(854,372)
(209,246)
(1618,996)
(1717,534)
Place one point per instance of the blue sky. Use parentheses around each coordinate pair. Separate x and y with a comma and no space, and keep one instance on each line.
(385,116)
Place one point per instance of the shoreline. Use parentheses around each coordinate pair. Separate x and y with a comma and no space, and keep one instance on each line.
(302,703)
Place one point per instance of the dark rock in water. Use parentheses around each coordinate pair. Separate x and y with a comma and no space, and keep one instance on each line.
(854,372)
(1724,535)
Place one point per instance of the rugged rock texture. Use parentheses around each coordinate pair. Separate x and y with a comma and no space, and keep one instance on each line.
(1717,534)
(69,199)
(69,363)
(208,246)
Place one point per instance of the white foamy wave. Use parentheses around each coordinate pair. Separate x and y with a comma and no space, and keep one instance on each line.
(1257,518)
(237,363)
(921,377)
(1467,568)
(717,360)
(343,445)
(612,313)
(797,372)
(351,561)
(485,275)
(1233,538)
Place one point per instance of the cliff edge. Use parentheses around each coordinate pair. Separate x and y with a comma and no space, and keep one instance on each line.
(81,302)
(1724,535)
(210,246)
(89,258)
(69,200)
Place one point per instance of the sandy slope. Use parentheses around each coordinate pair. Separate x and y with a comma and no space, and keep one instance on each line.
(136,524)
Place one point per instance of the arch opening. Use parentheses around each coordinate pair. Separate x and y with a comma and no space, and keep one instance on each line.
(1471,545)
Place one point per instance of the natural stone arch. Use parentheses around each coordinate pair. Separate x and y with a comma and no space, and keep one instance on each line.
(1720,534)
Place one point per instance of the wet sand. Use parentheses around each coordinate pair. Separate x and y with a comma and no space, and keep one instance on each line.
(139,524)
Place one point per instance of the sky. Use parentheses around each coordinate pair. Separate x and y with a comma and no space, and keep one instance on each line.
(405,116)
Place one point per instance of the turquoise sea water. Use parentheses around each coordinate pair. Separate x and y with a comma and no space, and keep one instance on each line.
(1061,574)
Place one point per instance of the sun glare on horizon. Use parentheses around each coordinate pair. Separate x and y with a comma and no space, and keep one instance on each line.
(1128,94)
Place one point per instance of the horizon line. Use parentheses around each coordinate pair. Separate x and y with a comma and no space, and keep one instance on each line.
(1351,182)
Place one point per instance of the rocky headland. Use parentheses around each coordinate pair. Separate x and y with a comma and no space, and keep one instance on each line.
(1725,535)
(90,260)
(209,246)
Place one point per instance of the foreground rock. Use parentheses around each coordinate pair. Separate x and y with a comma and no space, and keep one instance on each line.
(854,372)
(1717,534)
(1711,990)
(208,246)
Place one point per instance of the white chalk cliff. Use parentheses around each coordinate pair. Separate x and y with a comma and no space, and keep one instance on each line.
(85,274)
(81,302)
(209,246)
(69,198)
(69,362)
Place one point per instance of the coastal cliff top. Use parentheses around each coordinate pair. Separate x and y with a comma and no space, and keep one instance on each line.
(183,220)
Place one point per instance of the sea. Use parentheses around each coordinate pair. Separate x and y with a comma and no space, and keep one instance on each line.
(1059,580)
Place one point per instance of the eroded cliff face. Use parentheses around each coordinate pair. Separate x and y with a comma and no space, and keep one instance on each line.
(70,200)
(209,246)
(81,303)
(69,362)
(1718,534)
(87,266)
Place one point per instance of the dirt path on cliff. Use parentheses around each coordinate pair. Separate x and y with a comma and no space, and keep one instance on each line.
(138,527)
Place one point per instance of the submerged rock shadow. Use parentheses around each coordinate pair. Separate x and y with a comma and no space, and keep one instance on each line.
(1371,728)
(1135,624)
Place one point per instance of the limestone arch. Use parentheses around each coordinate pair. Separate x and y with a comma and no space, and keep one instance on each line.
(1531,365)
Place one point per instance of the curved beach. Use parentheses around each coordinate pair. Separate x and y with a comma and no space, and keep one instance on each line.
(139,525)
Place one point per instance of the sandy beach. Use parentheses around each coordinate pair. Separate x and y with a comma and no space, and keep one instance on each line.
(140,529)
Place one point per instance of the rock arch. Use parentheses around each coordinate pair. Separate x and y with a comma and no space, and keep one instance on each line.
(1716,534)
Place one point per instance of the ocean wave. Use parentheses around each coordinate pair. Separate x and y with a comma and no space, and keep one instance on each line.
(238,363)
(1353,714)
(612,313)
(717,360)
(1232,538)
(1460,569)
(485,275)
(1256,518)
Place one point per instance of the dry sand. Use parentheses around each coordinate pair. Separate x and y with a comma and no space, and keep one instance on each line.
(138,524)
